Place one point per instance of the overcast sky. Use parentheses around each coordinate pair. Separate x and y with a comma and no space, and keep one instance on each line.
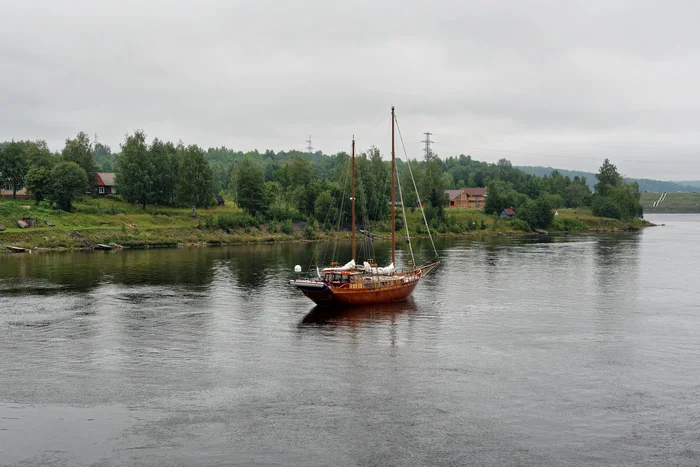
(559,83)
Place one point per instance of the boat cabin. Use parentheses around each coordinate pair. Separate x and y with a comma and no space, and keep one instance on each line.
(342,277)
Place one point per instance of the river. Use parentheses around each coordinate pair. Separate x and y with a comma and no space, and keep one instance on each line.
(567,350)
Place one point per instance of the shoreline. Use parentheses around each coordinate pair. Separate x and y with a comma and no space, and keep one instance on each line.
(86,243)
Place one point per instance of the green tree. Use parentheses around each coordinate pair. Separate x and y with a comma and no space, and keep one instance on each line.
(135,176)
(433,187)
(272,192)
(325,209)
(38,181)
(376,179)
(608,178)
(164,164)
(299,172)
(13,165)
(577,194)
(38,154)
(538,214)
(79,150)
(68,182)
(195,187)
(250,181)
(499,196)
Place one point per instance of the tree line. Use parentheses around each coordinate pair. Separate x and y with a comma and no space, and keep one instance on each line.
(303,186)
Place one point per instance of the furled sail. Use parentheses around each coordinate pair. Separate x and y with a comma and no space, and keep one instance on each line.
(383,271)
(349,266)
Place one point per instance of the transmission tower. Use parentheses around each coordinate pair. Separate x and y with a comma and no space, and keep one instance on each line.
(427,142)
(309,147)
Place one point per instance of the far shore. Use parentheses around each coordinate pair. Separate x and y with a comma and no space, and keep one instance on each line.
(109,221)
(89,239)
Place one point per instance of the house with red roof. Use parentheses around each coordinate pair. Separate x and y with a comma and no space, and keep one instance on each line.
(508,213)
(105,183)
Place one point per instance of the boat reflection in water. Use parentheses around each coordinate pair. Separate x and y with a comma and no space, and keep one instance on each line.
(357,316)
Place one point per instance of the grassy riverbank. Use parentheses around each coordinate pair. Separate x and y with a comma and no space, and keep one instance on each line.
(681,203)
(112,221)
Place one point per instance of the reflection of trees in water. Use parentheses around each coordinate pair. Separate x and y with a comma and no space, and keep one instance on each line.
(616,270)
(84,271)
(616,261)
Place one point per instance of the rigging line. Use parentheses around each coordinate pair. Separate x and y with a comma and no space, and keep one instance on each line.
(330,245)
(372,128)
(336,244)
(405,221)
(408,163)
(368,246)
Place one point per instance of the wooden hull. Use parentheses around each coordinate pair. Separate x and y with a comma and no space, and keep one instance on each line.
(361,297)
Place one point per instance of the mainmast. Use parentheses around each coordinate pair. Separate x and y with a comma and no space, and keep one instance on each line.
(393,196)
(353,197)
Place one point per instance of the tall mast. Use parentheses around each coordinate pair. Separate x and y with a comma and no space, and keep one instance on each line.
(353,197)
(393,196)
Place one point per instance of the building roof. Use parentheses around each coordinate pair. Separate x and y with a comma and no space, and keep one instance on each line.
(469,191)
(475,191)
(453,193)
(105,179)
(509,211)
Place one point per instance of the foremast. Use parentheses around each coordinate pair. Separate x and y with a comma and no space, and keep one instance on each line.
(393,194)
(353,197)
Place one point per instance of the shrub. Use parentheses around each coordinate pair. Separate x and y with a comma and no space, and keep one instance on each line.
(235,221)
(605,207)
(311,230)
(519,224)
(287,227)
(568,225)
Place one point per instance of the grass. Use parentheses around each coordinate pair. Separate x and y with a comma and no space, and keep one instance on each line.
(673,203)
(104,220)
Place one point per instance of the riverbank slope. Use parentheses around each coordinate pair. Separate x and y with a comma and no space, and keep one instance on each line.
(110,221)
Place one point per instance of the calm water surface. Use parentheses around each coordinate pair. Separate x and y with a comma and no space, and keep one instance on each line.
(572,350)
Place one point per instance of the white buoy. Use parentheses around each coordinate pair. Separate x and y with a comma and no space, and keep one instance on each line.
(297,268)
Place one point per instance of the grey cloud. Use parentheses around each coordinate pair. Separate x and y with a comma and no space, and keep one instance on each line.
(579,80)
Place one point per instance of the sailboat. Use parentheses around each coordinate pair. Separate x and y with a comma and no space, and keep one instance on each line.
(355,285)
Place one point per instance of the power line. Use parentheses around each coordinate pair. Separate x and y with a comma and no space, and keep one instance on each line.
(427,142)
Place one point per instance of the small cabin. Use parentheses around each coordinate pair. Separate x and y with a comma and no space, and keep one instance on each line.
(105,183)
(7,191)
(508,213)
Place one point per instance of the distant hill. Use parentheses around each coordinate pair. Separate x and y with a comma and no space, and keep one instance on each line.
(693,183)
(645,184)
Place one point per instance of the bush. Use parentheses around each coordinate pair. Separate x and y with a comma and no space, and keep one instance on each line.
(605,207)
(287,227)
(311,230)
(233,221)
(282,210)
(519,224)
(568,225)
(537,214)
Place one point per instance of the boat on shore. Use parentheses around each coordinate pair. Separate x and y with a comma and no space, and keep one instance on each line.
(15,249)
(354,285)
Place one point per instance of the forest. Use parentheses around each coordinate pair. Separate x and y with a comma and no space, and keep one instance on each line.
(313,187)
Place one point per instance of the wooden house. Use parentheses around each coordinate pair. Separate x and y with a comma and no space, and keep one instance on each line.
(105,183)
(6,191)
(473,198)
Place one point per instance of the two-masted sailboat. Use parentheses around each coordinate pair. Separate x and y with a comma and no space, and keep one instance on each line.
(354,285)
